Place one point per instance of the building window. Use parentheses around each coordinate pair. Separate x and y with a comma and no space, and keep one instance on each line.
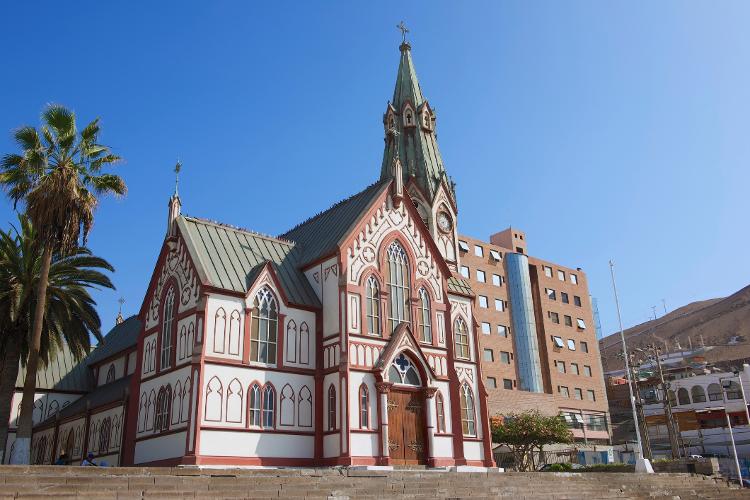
(465,272)
(398,286)
(440,412)
(488,355)
(481,277)
(571,344)
(253,405)
(364,407)
(558,342)
(496,256)
(551,294)
(331,408)
(372,300)
(483,301)
(560,366)
(111,374)
(698,393)
(485,328)
(425,324)
(714,392)
(547,271)
(166,329)
(563,391)
(463,246)
(554,317)
(162,409)
(507,384)
(584,346)
(561,275)
(402,371)
(564,298)
(577,300)
(581,324)
(496,280)
(502,330)
(478,251)
(568,320)
(683,396)
(587,370)
(269,407)
(264,328)
(461,338)
(591,395)
(578,393)
(505,357)
(573,279)
(105,432)
(499,305)
(492,382)
(467,411)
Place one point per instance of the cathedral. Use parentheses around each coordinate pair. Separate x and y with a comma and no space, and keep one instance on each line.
(348,340)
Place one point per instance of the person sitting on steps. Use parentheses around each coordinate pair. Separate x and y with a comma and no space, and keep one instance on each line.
(89,461)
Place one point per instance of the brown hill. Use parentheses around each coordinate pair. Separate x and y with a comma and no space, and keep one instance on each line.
(723,324)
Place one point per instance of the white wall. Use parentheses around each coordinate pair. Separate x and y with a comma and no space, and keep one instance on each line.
(160,448)
(180,384)
(119,365)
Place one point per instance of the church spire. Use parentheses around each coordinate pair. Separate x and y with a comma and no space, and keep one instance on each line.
(174,203)
(415,144)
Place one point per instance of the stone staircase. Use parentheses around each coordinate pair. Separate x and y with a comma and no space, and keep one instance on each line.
(48,482)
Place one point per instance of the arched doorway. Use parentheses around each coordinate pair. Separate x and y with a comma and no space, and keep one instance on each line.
(407,432)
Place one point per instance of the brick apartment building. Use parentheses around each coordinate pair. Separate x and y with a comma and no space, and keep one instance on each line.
(538,343)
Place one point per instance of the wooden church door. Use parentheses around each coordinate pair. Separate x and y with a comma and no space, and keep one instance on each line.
(406,427)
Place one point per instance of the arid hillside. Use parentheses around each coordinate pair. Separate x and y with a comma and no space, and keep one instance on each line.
(723,324)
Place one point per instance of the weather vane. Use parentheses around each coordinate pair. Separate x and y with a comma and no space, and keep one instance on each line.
(404,30)
(177,168)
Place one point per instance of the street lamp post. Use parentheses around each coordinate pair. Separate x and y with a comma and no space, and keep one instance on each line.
(642,464)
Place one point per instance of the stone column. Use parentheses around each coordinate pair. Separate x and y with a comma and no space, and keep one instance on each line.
(383,389)
(429,402)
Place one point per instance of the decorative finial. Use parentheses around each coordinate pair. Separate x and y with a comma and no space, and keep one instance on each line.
(404,30)
(177,168)
(120,319)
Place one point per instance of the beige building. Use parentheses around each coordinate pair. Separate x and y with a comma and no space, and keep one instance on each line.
(537,338)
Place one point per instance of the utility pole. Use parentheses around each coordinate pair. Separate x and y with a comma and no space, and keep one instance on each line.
(664,303)
(653,308)
(666,403)
(639,406)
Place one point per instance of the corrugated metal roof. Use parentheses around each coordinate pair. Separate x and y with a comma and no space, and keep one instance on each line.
(319,235)
(459,286)
(119,338)
(63,373)
(232,258)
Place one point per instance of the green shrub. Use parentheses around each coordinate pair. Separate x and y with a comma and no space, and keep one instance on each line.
(608,468)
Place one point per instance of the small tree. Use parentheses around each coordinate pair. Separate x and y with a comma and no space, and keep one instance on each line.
(527,433)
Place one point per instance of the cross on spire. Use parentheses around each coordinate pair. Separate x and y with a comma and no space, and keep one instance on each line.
(404,30)
(177,168)
(119,318)
(121,301)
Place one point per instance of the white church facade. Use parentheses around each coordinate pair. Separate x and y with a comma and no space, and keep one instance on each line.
(348,340)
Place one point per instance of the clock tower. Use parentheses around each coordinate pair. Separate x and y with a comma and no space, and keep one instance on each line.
(409,124)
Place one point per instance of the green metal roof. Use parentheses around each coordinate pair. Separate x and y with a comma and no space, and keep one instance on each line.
(232,258)
(100,396)
(321,234)
(416,148)
(459,286)
(120,338)
(63,373)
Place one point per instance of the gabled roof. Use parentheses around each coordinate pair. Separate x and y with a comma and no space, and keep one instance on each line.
(63,373)
(321,234)
(120,338)
(231,258)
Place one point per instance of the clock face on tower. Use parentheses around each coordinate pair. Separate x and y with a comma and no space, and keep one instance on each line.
(444,222)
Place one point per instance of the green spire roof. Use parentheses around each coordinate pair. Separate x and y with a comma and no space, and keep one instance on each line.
(413,141)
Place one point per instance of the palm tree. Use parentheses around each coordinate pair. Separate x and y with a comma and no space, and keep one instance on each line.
(71,317)
(58,176)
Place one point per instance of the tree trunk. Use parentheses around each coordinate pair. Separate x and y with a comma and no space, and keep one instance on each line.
(22,448)
(7,389)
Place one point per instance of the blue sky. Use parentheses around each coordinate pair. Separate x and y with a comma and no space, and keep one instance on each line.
(603,129)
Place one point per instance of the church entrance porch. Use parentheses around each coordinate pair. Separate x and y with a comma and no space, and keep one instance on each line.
(407,436)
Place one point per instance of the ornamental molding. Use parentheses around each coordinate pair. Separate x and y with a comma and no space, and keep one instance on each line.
(177,265)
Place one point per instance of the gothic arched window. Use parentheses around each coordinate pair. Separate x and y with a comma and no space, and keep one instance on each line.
(440,412)
(461,338)
(162,409)
(402,371)
(110,374)
(364,407)
(166,329)
(372,301)
(683,396)
(331,408)
(398,286)
(269,407)
(253,405)
(104,434)
(425,325)
(467,411)
(264,328)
